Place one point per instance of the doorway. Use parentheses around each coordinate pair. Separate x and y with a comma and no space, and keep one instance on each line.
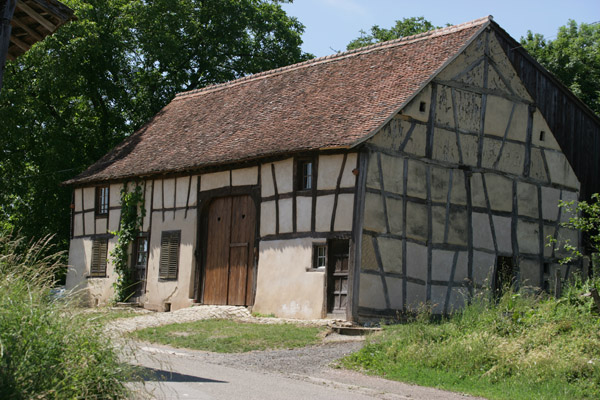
(337,275)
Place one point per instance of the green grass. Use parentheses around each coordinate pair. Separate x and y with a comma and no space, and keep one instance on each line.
(225,336)
(46,352)
(521,348)
(103,315)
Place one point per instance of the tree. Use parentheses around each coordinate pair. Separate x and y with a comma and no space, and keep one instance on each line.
(78,93)
(405,27)
(573,57)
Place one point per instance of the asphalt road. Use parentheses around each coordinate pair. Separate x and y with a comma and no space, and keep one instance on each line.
(283,374)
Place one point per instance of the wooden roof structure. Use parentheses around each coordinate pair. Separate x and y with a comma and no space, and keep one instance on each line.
(32,21)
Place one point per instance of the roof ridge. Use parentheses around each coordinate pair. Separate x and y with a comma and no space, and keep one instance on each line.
(336,56)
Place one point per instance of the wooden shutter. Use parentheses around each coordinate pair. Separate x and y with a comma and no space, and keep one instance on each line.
(169,254)
(99,253)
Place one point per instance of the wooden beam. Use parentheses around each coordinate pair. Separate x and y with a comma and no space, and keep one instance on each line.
(36,16)
(7,9)
(21,44)
(35,35)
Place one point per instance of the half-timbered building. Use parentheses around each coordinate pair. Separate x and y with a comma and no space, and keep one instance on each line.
(360,184)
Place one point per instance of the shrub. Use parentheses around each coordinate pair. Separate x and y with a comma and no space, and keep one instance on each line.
(44,351)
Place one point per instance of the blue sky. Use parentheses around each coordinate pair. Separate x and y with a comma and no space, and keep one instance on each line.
(331,24)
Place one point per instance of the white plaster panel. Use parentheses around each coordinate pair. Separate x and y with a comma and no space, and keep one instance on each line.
(374,219)
(495,82)
(89,223)
(80,251)
(303,213)
(284,286)
(244,176)
(527,199)
(459,191)
(417,179)
(490,151)
(344,213)
(394,286)
(539,125)
(391,135)
(147,203)
(512,159)
(483,267)
(529,271)
(550,199)
(368,258)
(114,218)
(537,170)
(89,198)
(482,233)
(564,236)
(78,225)
(284,173)
(444,114)
(438,215)
(560,170)
(469,147)
(393,173)
(114,195)
(497,115)
(549,230)
(528,236)
(461,273)
(285,216)
(214,180)
(267,218)
(468,110)
(391,254)
(157,193)
(457,231)
(518,126)
(371,292)
(77,193)
(412,109)
(169,193)
(499,191)
(416,296)
(266,181)
(193,193)
(439,184)
(445,146)
(477,192)
(416,221)
(323,213)
(417,141)
(441,265)
(329,171)
(101,225)
(373,177)
(457,299)
(416,261)
(438,298)
(471,54)
(178,292)
(568,197)
(394,211)
(348,177)
(502,227)
(506,69)
(184,187)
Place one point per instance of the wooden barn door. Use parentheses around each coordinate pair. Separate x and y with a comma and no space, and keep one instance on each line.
(229,251)
(337,276)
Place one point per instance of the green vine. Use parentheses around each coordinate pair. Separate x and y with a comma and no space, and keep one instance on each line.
(132,216)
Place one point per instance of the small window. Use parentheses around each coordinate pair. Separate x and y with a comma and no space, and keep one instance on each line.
(99,253)
(422,106)
(169,254)
(320,256)
(305,175)
(542,136)
(141,251)
(101,201)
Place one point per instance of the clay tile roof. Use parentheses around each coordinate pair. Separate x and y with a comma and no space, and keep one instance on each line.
(330,102)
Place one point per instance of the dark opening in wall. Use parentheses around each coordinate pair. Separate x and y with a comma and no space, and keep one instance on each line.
(542,136)
(422,106)
(503,277)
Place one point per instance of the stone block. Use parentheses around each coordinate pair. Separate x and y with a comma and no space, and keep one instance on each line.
(391,254)
(416,261)
(527,200)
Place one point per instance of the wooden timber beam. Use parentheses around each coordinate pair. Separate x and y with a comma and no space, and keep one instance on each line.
(36,16)
(7,9)
(31,32)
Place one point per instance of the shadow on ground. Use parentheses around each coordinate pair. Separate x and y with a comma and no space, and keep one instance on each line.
(160,375)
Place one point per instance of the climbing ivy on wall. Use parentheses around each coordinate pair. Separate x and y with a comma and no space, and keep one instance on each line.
(132,215)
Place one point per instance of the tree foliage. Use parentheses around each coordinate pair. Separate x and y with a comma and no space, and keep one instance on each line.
(404,27)
(573,57)
(79,92)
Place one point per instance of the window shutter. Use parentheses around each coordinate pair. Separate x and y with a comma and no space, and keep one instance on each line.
(99,255)
(169,254)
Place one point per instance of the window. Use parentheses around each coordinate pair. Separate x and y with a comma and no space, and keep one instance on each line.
(319,256)
(169,254)
(141,251)
(99,252)
(305,175)
(101,201)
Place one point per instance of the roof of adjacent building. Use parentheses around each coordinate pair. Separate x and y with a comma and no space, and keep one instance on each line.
(330,102)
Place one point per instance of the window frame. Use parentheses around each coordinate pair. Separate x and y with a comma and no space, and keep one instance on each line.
(316,257)
(136,250)
(99,258)
(170,271)
(300,184)
(102,201)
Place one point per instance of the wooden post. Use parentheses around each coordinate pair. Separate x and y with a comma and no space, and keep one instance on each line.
(7,8)
(557,283)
